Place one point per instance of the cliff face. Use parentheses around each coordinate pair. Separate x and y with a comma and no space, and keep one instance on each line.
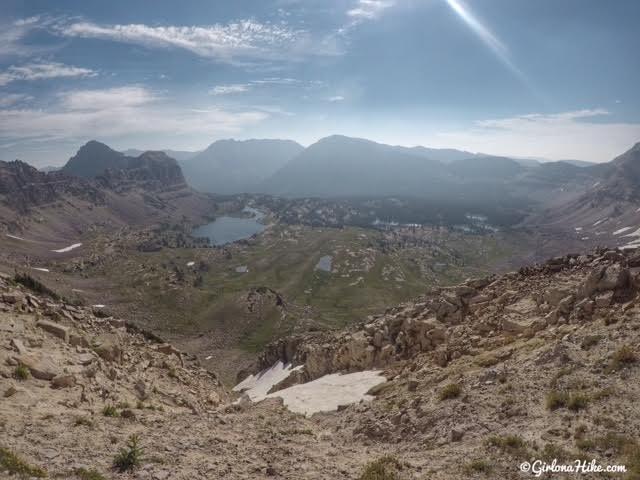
(23,187)
(149,171)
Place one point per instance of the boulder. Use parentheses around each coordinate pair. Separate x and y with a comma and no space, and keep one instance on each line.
(110,352)
(55,329)
(63,381)
(41,366)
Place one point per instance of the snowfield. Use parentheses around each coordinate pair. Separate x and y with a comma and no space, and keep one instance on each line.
(321,395)
(622,230)
(68,249)
(329,392)
(257,386)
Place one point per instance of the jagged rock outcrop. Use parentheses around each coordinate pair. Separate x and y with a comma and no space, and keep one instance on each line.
(450,322)
(23,187)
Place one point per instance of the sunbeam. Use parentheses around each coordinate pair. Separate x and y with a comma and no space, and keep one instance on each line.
(488,38)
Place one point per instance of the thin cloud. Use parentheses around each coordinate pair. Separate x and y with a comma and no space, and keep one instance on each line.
(230,89)
(369,9)
(12,99)
(117,112)
(224,42)
(43,71)
(564,135)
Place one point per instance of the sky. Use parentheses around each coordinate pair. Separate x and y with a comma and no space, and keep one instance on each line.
(552,79)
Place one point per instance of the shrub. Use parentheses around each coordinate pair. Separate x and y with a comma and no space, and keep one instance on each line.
(21,372)
(87,422)
(577,401)
(34,285)
(384,468)
(10,462)
(623,357)
(109,411)
(556,400)
(478,466)
(572,401)
(452,390)
(130,457)
(552,451)
(511,444)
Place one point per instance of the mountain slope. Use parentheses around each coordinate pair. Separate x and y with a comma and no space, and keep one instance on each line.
(344,166)
(486,167)
(232,166)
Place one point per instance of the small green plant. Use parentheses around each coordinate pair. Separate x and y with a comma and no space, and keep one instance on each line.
(452,390)
(478,465)
(13,464)
(21,372)
(384,468)
(130,457)
(110,411)
(84,474)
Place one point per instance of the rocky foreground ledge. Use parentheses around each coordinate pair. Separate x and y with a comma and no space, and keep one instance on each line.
(537,364)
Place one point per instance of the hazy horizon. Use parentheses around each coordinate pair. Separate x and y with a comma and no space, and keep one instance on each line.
(512,78)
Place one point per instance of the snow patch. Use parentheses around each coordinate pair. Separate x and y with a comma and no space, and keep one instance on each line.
(321,395)
(41,269)
(98,306)
(14,237)
(68,249)
(190,264)
(257,386)
(577,229)
(622,230)
(634,234)
(327,393)
(242,269)
(600,221)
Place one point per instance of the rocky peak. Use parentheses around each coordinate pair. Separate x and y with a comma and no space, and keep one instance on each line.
(92,159)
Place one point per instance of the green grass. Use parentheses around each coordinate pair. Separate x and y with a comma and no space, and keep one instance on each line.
(288,267)
(110,411)
(13,464)
(21,372)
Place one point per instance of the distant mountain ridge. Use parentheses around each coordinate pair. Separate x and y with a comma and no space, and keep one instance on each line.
(238,166)
(179,155)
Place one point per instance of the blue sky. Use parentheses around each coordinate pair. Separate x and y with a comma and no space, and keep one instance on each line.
(536,78)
